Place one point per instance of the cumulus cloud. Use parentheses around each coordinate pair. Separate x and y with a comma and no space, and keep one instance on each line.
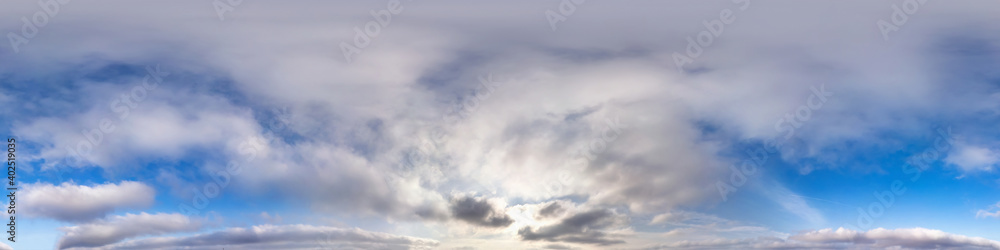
(282,237)
(479,211)
(77,203)
(121,227)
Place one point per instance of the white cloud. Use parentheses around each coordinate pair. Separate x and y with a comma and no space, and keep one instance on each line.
(972,158)
(992,211)
(166,125)
(77,203)
(685,218)
(793,203)
(686,226)
(754,243)
(321,172)
(120,227)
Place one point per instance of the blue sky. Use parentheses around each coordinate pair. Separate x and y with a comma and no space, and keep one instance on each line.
(516,125)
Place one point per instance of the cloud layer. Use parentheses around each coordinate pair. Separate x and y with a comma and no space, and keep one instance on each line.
(841,238)
(120,227)
(79,203)
(489,122)
(283,237)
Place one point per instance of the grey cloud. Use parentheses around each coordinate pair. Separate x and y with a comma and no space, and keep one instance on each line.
(117,228)
(77,203)
(551,210)
(584,228)
(282,237)
(841,238)
(479,211)
(336,180)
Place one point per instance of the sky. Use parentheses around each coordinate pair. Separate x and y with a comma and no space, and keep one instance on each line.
(556,124)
